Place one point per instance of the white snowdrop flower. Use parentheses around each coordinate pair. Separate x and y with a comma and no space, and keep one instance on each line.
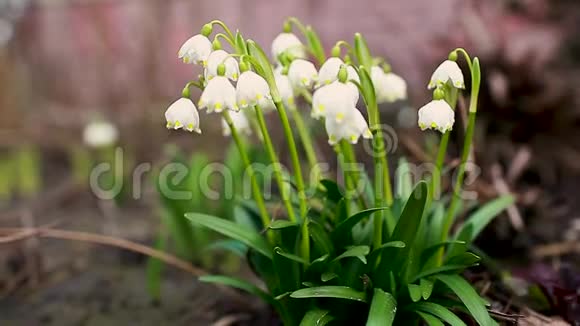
(448,70)
(284,88)
(183,114)
(334,101)
(100,134)
(195,50)
(329,72)
(389,87)
(437,115)
(351,130)
(215,59)
(240,121)
(289,43)
(218,95)
(252,89)
(302,74)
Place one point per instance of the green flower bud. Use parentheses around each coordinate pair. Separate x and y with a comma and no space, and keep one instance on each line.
(386,67)
(216,44)
(221,69)
(347,59)
(343,74)
(206,30)
(287,27)
(335,51)
(438,93)
(243,66)
(453,56)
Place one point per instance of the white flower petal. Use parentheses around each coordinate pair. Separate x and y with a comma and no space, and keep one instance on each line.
(302,74)
(183,114)
(215,59)
(437,115)
(251,89)
(290,43)
(284,88)
(218,95)
(351,130)
(195,50)
(100,134)
(448,70)
(241,123)
(334,101)
(329,71)
(389,87)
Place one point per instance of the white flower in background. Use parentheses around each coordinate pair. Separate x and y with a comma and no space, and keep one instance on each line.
(289,43)
(240,121)
(100,134)
(215,59)
(218,95)
(329,72)
(389,87)
(252,89)
(334,101)
(284,88)
(437,115)
(302,74)
(195,50)
(351,130)
(183,114)
(448,70)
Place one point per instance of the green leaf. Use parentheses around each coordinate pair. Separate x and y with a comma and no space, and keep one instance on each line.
(429,252)
(383,309)
(320,237)
(333,191)
(430,319)
(234,246)
(295,258)
(339,292)
(466,259)
(362,52)
(343,229)
(483,216)
(238,284)
(315,45)
(356,251)
(438,270)
(468,296)
(230,229)
(155,268)
(240,43)
(391,244)
(327,276)
(281,224)
(264,69)
(464,237)
(316,317)
(414,292)
(438,311)
(426,288)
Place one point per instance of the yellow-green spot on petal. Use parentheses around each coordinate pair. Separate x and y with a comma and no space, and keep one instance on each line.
(218,106)
(169,125)
(304,80)
(190,127)
(321,108)
(177,124)
(243,102)
(259,96)
(433,125)
(353,138)
(291,101)
(339,117)
(235,76)
(185,59)
(204,63)
(332,138)
(328,81)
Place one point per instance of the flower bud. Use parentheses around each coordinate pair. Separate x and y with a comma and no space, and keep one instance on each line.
(438,93)
(453,55)
(287,28)
(343,74)
(216,44)
(335,51)
(206,29)
(221,69)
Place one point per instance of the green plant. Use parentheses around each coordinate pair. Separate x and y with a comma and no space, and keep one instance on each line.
(353,253)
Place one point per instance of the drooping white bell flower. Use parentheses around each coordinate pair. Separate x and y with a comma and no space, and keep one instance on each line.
(352,129)
(218,57)
(334,101)
(252,89)
(240,121)
(302,74)
(218,95)
(183,114)
(195,50)
(448,70)
(389,87)
(284,88)
(437,115)
(289,43)
(100,134)
(329,71)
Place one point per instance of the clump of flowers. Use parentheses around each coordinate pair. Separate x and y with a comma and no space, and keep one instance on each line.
(339,254)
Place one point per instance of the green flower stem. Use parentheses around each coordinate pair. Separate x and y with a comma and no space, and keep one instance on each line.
(224,26)
(476,81)
(350,158)
(257,193)
(275,163)
(307,143)
(342,161)
(440,160)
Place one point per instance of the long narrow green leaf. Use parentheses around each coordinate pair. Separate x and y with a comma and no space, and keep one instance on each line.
(339,292)
(430,319)
(346,226)
(438,311)
(356,251)
(231,245)
(404,180)
(316,317)
(468,296)
(230,229)
(293,257)
(315,45)
(426,288)
(483,216)
(281,224)
(383,309)
(238,284)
